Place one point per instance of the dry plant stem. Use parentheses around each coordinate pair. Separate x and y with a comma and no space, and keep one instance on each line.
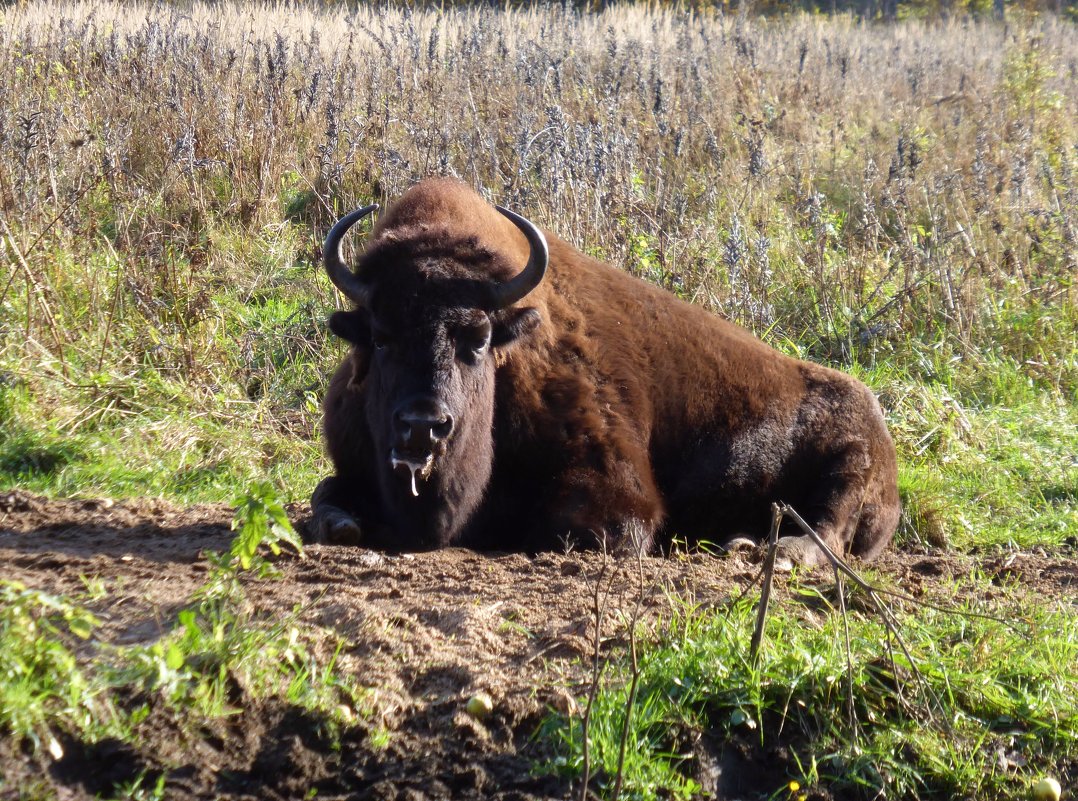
(634,682)
(898,685)
(765,591)
(962,612)
(840,590)
(745,590)
(888,619)
(94,182)
(599,599)
(112,309)
(10,281)
(31,281)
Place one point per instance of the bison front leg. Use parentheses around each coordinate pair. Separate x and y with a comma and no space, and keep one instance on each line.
(832,508)
(330,522)
(798,551)
(617,509)
(619,538)
(631,537)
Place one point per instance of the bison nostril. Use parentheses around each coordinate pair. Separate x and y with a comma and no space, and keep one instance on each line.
(443,429)
(422,422)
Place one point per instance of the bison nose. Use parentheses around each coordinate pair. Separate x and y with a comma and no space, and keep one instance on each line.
(422,422)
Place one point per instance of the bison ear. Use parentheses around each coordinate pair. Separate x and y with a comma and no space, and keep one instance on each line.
(512,325)
(354,327)
(351,326)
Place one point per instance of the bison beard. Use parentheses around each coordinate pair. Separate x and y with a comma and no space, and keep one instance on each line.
(493,406)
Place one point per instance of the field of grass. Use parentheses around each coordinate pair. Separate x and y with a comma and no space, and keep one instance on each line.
(837,707)
(900,202)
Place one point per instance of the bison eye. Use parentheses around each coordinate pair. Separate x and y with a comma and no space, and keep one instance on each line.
(471,353)
(380,339)
(472,342)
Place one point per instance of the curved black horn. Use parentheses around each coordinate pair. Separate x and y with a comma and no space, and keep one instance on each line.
(520,285)
(344,279)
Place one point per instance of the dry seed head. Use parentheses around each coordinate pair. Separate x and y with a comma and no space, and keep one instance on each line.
(735,248)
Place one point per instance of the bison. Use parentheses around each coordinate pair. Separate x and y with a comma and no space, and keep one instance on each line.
(494,406)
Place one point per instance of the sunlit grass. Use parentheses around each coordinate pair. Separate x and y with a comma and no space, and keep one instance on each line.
(997,707)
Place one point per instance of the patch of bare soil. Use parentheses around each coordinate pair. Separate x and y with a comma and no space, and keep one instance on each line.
(425,630)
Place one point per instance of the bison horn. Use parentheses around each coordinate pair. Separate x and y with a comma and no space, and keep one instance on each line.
(343,278)
(514,289)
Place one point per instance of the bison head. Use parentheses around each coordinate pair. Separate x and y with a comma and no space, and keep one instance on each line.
(432,316)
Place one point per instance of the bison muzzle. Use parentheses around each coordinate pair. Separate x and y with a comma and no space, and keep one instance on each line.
(498,406)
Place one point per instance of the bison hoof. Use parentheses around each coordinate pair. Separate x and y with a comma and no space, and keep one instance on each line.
(739,545)
(334,527)
(797,552)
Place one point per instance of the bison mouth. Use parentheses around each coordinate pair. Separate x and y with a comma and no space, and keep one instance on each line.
(421,464)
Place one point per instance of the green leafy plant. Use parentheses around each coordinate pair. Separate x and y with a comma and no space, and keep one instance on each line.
(42,686)
(260,519)
(55,678)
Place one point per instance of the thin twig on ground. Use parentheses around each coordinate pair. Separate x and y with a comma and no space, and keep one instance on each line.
(765,591)
(634,665)
(599,597)
(840,591)
(34,287)
(889,620)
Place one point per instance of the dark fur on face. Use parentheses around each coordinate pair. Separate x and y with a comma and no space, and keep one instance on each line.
(423,337)
(599,409)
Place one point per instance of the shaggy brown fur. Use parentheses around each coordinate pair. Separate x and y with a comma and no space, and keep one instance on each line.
(613,410)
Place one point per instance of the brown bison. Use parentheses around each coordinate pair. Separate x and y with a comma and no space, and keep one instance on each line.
(496,407)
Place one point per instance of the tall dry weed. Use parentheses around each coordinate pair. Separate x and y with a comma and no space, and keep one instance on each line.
(851,187)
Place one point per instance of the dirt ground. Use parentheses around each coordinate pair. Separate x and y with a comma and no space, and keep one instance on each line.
(426,630)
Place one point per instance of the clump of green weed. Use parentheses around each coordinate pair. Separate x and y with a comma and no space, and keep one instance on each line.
(260,520)
(218,649)
(55,678)
(42,687)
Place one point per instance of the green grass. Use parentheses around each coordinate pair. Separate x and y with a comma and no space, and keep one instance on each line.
(978,471)
(992,688)
(1009,479)
(168,442)
(43,689)
(58,679)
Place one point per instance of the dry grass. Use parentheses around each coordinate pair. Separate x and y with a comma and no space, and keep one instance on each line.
(901,198)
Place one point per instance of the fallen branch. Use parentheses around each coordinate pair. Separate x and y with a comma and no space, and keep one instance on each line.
(840,591)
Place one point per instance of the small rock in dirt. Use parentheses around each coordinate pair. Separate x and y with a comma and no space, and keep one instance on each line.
(97,503)
(370,559)
(345,713)
(564,703)
(14,502)
(479,706)
(1047,789)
